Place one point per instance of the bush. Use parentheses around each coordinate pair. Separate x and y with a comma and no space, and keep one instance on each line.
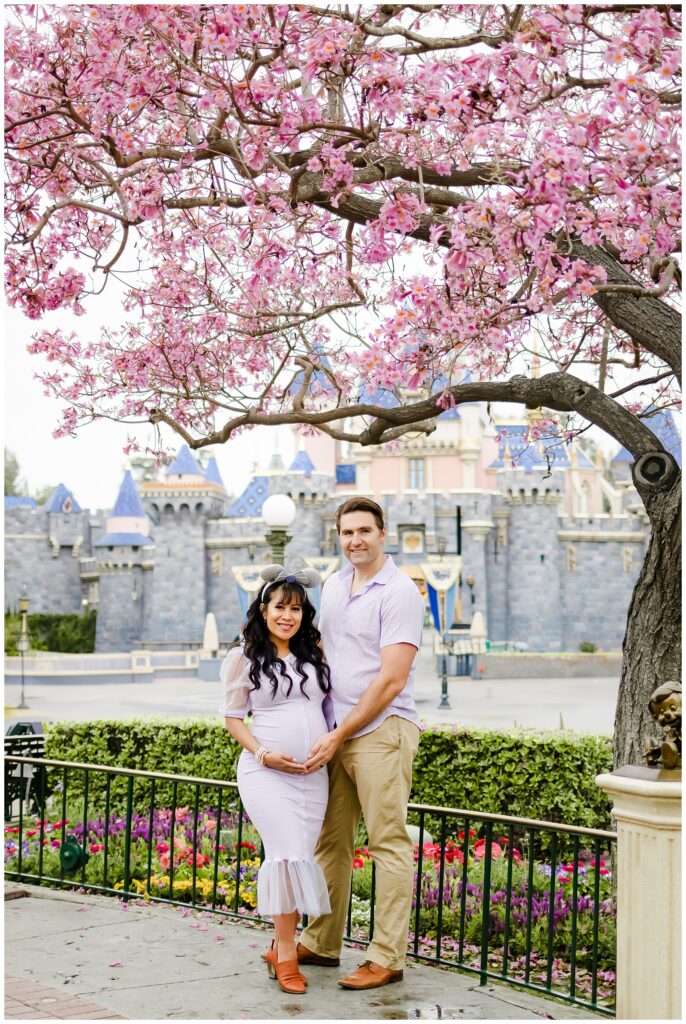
(588,647)
(175,745)
(524,773)
(64,634)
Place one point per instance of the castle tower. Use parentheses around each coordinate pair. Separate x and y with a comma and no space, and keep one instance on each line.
(179,507)
(532,569)
(43,548)
(123,556)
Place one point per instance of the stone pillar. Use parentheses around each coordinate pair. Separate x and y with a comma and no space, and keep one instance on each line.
(647,807)
(474,563)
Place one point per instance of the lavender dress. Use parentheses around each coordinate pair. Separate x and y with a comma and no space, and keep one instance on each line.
(287,810)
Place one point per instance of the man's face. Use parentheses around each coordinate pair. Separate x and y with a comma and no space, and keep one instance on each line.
(361,539)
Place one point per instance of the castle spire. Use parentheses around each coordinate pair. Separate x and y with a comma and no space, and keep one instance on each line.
(127,524)
(212,474)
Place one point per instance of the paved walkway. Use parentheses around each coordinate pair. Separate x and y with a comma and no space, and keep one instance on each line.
(29,1000)
(103,959)
(585,705)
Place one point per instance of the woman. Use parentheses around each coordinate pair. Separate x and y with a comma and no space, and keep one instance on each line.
(279,673)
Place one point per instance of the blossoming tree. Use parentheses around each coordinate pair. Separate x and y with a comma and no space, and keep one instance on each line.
(299,199)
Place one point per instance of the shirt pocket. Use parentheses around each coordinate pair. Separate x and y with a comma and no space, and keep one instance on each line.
(362,623)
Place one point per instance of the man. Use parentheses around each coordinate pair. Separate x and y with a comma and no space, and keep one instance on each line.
(371,624)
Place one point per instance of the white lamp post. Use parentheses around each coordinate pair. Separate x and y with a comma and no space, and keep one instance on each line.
(278,512)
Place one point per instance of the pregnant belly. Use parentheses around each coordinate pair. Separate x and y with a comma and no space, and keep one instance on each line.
(290,731)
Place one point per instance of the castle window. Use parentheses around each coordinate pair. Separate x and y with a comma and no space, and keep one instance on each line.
(416,474)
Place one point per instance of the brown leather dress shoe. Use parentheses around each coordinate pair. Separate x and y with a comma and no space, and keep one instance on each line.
(306,956)
(370,975)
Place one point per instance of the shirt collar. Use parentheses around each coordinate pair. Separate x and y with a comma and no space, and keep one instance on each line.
(382,576)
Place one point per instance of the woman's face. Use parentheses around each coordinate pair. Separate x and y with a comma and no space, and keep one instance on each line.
(283,619)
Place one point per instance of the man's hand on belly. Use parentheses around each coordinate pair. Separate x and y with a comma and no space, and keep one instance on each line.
(323,750)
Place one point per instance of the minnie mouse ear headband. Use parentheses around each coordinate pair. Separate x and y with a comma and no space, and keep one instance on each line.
(294,572)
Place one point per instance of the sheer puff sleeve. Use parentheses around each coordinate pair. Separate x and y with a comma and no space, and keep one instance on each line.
(236,682)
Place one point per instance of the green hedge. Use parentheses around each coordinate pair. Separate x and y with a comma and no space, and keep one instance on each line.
(178,746)
(66,634)
(525,773)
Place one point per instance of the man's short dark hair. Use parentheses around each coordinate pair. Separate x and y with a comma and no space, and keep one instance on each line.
(360,505)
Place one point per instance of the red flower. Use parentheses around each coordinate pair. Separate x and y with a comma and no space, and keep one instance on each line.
(480,849)
(472,833)
(96,847)
(162,848)
(358,862)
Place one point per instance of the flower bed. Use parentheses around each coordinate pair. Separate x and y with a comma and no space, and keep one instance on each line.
(172,861)
(179,864)
(462,918)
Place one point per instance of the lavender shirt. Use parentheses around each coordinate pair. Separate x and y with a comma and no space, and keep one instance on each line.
(388,609)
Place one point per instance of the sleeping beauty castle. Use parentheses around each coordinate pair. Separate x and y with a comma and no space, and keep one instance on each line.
(546,539)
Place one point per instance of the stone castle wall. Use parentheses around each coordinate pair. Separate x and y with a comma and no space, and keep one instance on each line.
(540,577)
(42,553)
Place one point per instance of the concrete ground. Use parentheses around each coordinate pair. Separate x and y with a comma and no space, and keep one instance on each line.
(584,705)
(157,962)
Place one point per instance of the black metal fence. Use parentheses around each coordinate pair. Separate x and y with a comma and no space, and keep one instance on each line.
(525,902)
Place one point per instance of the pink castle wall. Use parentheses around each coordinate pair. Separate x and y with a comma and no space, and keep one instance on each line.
(322,449)
(386,475)
(446,473)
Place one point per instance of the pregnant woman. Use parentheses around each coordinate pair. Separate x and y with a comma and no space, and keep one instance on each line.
(279,674)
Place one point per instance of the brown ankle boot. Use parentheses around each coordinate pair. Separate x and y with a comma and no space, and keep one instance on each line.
(288,976)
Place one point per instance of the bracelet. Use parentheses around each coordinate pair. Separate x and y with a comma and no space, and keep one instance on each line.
(260,755)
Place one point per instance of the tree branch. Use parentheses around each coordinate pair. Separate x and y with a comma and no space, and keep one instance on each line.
(560,392)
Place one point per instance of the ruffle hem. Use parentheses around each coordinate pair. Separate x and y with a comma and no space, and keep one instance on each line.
(287,885)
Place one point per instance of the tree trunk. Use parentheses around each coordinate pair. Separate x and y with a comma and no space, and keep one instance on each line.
(652,643)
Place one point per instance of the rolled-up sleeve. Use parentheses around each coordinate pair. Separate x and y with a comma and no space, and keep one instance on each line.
(402,616)
(236,683)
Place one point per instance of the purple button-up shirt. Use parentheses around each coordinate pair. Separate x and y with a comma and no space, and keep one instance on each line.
(388,609)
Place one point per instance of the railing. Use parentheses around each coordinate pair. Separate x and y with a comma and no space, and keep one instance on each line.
(491,897)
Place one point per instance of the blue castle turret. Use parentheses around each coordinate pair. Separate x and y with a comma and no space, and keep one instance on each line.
(123,554)
(179,507)
(44,546)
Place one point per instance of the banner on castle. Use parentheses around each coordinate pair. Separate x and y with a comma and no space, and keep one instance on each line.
(442,581)
(249,583)
(324,566)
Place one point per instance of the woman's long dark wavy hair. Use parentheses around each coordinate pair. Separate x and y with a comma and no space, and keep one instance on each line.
(305,644)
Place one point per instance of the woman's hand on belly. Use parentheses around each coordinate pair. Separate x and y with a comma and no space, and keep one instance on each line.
(284,763)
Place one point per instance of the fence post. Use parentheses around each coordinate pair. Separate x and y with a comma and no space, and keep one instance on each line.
(647,807)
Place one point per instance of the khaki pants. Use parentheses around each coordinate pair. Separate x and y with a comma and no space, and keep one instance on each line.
(372,775)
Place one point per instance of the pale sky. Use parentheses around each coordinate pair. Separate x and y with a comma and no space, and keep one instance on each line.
(92,463)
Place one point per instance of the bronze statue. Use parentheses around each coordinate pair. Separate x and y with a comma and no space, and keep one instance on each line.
(665,707)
